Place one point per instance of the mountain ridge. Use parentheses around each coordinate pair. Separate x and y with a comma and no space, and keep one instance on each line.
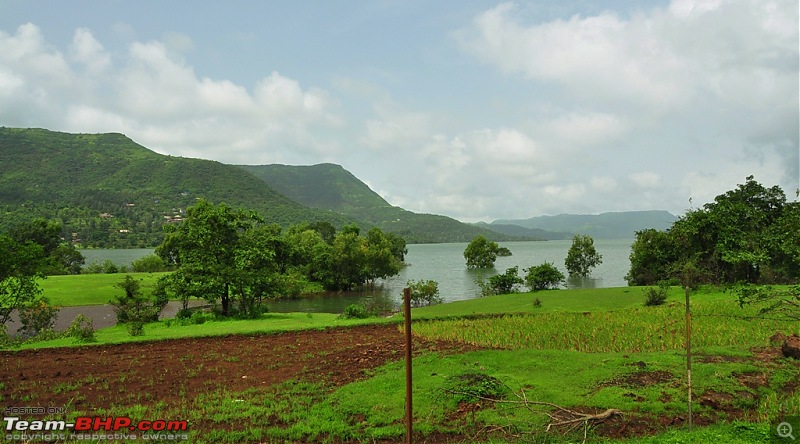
(608,225)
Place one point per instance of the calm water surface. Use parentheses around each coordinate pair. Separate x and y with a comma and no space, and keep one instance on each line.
(445,264)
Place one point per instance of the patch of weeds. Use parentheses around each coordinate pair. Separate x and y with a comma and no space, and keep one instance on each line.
(355,311)
(472,387)
(654,296)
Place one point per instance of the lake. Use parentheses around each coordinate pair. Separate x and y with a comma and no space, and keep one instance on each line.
(445,264)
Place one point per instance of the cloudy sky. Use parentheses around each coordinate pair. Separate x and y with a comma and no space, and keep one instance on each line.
(474,109)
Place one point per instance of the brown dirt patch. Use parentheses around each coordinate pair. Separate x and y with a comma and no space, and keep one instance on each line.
(143,373)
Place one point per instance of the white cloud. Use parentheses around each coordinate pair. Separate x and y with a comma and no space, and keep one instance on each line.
(88,51)
(646,179)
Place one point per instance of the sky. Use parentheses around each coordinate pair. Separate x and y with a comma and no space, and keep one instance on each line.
(477,110)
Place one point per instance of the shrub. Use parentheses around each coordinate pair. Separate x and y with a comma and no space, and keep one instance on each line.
(537,303)
(149,264)
(82,329)
(656,295)
(135,308)
(424,293)
(505,283)
(472,387)
(355,311)
(37,317)
(136,328)
(544,277)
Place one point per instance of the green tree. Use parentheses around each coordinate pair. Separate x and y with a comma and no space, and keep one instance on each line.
(424,293)
(60,257)
(481,253)
(21,266)
(582,256)
(543,277)
(207,248)
(133,306)
(749,234)
(381,256)
(502,283)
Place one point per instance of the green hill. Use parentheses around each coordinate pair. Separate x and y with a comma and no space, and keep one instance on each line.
(330,187)
(617,225)
(111,192)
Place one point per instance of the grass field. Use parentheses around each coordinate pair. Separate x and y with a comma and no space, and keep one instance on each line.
(585,350)
(90,289)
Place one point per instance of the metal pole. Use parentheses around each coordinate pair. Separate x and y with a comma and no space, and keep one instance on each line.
(409,407)
(689,354)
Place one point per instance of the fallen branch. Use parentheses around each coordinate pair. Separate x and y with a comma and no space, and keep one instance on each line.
(560,417)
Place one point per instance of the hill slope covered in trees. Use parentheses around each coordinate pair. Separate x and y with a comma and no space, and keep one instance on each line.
(111,192)
(331,187)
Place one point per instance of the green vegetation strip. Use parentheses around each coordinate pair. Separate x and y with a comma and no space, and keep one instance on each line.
(90,289)
(643,329)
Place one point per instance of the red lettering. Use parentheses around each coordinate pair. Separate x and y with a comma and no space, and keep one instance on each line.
(121,422)
(103,423)
(83,423)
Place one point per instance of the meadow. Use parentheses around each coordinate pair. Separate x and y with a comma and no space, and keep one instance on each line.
(583,351)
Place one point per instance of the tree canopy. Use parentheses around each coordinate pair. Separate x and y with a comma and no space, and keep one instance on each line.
(232,257)
(582,256)
(749,234)
(481,253)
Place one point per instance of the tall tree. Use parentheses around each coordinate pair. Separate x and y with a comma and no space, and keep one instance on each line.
(582,256)
(21,266)
(206,247)
(481,253)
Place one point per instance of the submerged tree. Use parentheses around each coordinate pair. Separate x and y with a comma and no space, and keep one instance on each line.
(481,253)
(582,256)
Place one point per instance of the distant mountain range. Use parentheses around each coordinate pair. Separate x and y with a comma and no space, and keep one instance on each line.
(619,225)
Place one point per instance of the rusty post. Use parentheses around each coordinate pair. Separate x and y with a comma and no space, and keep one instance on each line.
(409,410)
(689,354)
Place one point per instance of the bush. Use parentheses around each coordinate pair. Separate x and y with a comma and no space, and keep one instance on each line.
(37,317)
(82,329)
(149,264)
(474,387)
(656,295)
(544,277)
(355,311)
(537,303)
(136,328)
(135,308)
(505,283)
(424,293)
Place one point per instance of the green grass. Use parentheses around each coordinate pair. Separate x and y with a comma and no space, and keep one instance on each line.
(714,324)
(580,348)
(90,289)
(578,300)
(169,329)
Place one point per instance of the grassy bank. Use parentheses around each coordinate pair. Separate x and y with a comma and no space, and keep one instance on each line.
(90,289)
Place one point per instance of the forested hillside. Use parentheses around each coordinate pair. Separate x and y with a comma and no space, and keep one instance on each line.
(331,187)
(109,191)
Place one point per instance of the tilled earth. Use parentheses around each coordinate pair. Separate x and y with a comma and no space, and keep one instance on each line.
(90,377)
(98,377)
